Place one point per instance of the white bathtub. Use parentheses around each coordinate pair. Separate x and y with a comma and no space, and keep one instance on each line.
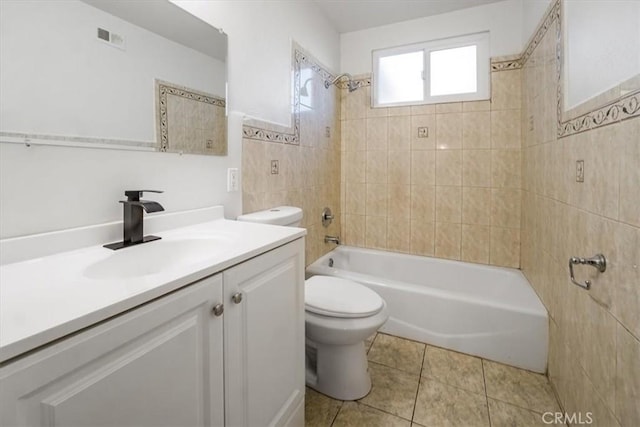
(486,311)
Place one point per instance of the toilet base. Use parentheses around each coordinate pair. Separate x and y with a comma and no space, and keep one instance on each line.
(339,371)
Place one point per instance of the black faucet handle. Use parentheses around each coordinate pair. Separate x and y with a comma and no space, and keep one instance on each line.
(134,195)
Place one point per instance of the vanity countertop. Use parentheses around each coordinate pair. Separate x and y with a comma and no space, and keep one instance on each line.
(46,298)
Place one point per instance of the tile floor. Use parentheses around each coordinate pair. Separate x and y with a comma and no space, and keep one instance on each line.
(420,385)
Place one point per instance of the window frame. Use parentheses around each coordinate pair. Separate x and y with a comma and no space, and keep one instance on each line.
(483,69)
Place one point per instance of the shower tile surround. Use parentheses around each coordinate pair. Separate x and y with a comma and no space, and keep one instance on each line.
(492,182)
(438,180)
(594,360)
(308,155)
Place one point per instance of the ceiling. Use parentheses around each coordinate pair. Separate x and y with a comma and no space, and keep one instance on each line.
(353,15)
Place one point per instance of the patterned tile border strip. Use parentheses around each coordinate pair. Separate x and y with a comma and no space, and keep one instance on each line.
(164,89)
(512,64)
(291,136)
(623,108)
(360,81)
(619,109)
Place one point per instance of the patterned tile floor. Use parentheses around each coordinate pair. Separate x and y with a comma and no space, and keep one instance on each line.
(420,385)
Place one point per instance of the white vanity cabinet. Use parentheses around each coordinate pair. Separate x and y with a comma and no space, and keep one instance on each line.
(264,339)
(173,361)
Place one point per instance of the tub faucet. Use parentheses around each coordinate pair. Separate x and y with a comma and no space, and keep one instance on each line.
(332,239)
(133,231)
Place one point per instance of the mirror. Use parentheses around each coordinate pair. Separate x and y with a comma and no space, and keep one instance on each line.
(134,74)
(601,56)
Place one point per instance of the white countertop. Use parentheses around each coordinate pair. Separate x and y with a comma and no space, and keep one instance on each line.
(46,298)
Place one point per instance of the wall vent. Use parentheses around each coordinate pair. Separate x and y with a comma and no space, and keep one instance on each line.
(112,39)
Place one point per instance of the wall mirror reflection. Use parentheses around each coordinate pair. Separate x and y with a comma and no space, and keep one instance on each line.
(601,62)
(134,74)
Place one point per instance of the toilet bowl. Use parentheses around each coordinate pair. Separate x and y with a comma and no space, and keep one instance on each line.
(339,316)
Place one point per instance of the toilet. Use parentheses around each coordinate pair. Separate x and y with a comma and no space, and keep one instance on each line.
(340,315)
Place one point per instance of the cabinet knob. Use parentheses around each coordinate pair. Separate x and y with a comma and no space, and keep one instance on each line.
(237,298)
(218,309)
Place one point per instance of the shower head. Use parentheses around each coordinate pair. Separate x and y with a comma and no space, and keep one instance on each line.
(351,85)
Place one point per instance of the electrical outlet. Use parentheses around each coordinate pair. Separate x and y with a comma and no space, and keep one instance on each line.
(232,180)
(531,121)
(580,171)
(423,132)
(327,132)
(275,168)
(209,144)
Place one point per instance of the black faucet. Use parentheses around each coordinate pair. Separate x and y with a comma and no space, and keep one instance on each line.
(133,216)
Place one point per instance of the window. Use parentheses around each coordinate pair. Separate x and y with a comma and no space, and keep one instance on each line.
(446,70)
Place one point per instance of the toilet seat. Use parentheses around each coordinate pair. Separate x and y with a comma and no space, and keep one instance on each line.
(335,297)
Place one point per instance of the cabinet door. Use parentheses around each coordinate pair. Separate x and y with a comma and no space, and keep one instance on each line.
(157,365)
(264,338)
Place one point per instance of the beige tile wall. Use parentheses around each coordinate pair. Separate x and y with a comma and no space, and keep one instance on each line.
(309,173)
(196,127)
(594,361)
(453,194)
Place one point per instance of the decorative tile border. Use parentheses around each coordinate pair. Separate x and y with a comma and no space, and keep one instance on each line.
(164,89)
(622,108)
(552,14)
(626,107)
(291,135)
(362,80)
(512,64)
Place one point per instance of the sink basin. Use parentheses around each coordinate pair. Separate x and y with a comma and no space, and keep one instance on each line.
(155,257)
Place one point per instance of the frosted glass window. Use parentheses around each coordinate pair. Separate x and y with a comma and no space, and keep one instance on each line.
(401,78)
(444,70)
(453,71)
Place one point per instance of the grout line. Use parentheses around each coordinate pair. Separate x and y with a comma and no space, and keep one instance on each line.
(371,346)
(415,401)
(381,410)
(439,381)
(516,406)
(486,396)
(511,403)
(335,417)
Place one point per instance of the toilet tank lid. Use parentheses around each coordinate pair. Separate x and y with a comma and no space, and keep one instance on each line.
(336,297)
(280,215)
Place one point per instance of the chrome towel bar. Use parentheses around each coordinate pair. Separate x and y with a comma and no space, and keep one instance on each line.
(598,261)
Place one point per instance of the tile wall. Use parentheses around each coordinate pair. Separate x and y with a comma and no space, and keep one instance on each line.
(439,180)
(594,361)
(190,121)
(308,168)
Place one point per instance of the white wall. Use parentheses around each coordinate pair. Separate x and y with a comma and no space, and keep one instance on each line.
(602,47)
(503,20)
(260,35)
(46,188)
(53,188)
(59,79)
(532,13)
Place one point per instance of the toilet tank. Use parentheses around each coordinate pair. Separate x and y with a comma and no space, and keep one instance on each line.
(289,216)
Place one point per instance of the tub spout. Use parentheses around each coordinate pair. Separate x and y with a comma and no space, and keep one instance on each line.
(332,239)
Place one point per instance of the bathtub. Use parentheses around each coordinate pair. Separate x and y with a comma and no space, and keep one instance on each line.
(485,311)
